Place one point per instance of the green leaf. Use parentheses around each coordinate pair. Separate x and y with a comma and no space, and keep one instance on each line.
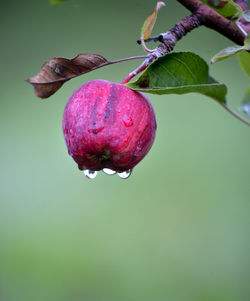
(244,60)
(246,15)
(229,51)
(179,73)
(245,106)
(57,1)
(225,53)
(226,8)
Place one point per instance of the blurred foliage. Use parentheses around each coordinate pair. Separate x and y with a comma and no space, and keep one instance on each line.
(57,1)
(227,8)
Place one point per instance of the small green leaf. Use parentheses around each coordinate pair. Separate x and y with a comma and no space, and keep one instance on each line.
(150,22)
(57,1)
(246,15)
(229,51)
(225,53)
(244,60)
(226,8)
(245,106)
(179,73)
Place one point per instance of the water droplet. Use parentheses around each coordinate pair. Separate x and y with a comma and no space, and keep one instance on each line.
(96,131)
(109,171)
(245,108)
(125,174)
(128,121)
(90,174)
(71,133)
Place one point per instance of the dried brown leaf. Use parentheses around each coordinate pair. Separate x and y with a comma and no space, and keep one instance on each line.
(55,72)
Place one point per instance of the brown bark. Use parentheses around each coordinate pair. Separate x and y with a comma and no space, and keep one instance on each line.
(211,19)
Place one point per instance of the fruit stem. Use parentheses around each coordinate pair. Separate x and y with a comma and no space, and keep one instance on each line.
(132,74)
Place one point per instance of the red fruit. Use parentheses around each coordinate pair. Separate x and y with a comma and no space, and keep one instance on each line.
(107,125)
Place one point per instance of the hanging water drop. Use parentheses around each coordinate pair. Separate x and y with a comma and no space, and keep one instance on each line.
(125,174)
(90,174)
(109,171)
(245,107)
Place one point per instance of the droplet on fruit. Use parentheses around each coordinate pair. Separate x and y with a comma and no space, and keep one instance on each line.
(125,174)
(109,171)
(128,121)
(71,133)
(95,131)
(90,174)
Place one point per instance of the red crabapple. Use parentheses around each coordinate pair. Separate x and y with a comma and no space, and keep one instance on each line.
(108,127)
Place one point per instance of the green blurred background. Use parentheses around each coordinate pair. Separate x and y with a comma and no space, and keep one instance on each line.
(177,229)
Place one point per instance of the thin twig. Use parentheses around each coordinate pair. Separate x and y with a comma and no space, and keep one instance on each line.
(151,39)
(128,59)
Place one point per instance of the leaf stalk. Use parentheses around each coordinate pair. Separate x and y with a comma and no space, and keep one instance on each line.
(236,115)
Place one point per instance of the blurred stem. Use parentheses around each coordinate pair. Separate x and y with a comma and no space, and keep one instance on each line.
(235,114)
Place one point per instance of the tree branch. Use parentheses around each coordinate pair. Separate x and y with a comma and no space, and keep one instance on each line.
(168,40)
(201,15)
(211,19)
(177,32)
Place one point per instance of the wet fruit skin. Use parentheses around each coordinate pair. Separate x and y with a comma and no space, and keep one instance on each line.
(108,125)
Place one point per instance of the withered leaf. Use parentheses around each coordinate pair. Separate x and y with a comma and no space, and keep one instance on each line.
(55,72)
(150,21)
